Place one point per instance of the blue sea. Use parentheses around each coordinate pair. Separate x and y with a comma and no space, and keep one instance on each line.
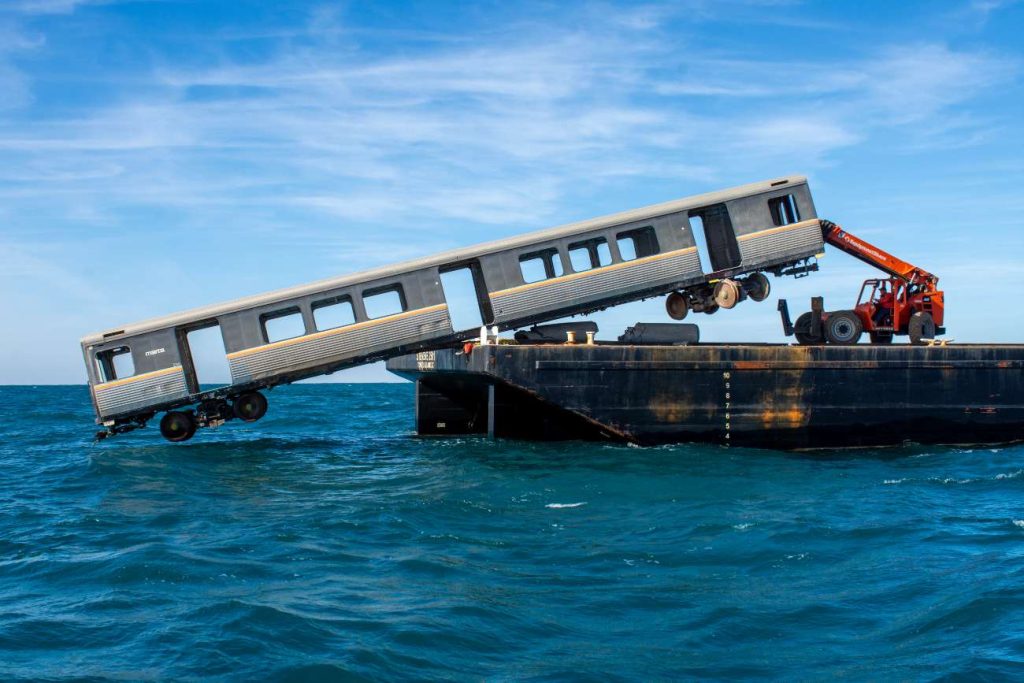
(328,542)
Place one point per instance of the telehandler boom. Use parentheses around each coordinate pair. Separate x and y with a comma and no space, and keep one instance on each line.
(908,302)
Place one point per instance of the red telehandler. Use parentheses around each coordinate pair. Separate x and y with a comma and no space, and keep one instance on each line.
(907,302)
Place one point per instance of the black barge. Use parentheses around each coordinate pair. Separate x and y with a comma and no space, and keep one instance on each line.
(755,395)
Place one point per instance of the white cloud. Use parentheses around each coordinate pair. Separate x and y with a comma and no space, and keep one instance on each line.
(495,134)
(470,118)
(27,266)
(45,6)
(913,83)
(322,138)
(813,134)
(14,88)
(987,7)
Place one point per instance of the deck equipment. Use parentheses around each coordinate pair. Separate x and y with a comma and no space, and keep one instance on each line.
(908,302)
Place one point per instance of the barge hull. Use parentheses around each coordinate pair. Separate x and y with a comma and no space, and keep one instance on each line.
(767,396)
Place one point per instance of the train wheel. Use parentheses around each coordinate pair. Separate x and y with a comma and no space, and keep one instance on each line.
(843,327)
(177,426)
(802,331)
(880,337)
(713,308)
(758,288)
(250,406)
(921,327)
(676,306)
(727,293)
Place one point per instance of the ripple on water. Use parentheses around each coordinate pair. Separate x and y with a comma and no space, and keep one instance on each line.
(326,541)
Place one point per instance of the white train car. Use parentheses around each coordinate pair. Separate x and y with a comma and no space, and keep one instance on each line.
(138,370)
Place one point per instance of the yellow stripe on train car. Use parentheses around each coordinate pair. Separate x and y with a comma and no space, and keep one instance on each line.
(784,228)
(337,330)
(593,271)
(146,375)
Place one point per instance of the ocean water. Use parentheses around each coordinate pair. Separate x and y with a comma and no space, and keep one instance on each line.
(327,542)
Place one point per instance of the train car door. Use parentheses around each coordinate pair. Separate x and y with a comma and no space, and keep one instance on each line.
(466,295)
(719,238)
(204,356)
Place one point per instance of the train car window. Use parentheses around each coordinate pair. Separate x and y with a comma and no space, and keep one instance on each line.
(286,324)
(540,265)
(331,313)
(638,243)
(533,269)
(627,248)
(124,365)
(115,363)
(579,259)
(784,210)
(592,253)
(383,302)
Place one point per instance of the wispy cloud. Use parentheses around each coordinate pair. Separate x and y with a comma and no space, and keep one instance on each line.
(468,131)
(46,6)
(908,84)
(984,8)
(334,145)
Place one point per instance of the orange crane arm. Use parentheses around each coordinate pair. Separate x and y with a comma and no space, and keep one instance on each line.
(873,256)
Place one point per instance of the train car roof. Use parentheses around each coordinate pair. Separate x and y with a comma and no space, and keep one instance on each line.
(453,256)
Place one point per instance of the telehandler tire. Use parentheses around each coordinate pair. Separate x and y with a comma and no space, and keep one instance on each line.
(843,328)
(920,328)
(802,331)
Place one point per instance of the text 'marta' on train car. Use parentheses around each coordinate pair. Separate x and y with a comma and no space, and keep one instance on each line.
(138,370)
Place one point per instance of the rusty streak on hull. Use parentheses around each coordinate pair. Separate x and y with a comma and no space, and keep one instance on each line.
(773,396)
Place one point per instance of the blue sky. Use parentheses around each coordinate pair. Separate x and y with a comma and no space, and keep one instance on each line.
(159,155)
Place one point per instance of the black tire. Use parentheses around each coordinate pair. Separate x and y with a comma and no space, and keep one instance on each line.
(250,406)
(843,328)
(677,306)
(758,288)
(921,327)
(177,426)
(880,337)
(802,331)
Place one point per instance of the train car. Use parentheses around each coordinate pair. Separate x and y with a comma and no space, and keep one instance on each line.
(138,370)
